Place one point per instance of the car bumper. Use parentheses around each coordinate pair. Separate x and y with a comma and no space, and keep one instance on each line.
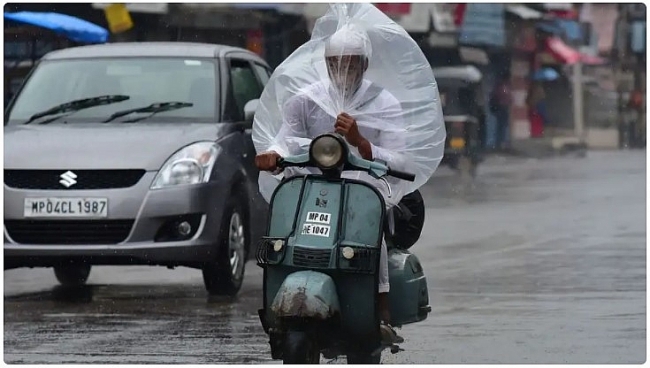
(131,232)
(173,254)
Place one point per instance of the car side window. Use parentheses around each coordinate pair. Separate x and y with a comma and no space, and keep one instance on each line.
(244,84)
(263,73)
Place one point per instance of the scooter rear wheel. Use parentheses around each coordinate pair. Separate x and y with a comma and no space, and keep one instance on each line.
(300,348)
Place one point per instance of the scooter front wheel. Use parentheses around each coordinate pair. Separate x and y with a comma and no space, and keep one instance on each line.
(300,348)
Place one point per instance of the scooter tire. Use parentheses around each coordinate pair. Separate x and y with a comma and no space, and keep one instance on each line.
(300,348)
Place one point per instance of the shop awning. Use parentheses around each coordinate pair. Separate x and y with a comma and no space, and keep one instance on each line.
(75,29)
(568,55)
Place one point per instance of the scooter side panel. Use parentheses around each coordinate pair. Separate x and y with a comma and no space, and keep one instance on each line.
(409,295)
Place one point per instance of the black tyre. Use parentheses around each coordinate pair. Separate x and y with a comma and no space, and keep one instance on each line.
(224,275)
(299,348)
(72,274)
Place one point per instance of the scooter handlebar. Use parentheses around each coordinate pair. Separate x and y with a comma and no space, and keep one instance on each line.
(401,175)
(281,163)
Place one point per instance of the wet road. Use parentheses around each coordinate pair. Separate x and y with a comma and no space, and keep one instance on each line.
(535,261)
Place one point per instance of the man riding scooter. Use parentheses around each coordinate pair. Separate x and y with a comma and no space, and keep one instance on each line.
(353,100)
(347,54)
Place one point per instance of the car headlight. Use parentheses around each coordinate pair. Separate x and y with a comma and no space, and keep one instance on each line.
(327,151)
(190,165)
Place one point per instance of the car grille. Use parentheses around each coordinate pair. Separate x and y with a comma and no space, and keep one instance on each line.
(85,232)
(85,180)
(306,257)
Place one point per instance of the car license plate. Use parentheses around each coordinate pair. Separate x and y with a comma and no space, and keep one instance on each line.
(66,207)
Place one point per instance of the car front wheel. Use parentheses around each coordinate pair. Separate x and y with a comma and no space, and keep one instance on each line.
(72,275)
(225,274)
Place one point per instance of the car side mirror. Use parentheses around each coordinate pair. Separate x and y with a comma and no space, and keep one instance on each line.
(249,110)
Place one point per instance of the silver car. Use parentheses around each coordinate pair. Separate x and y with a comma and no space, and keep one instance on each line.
(135,154)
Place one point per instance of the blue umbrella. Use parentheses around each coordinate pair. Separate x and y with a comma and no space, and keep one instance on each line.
(545,74)
(76,29)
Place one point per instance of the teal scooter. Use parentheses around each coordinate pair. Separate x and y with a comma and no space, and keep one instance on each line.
(321,262)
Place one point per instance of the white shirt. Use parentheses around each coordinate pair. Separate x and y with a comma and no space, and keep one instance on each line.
(311,113)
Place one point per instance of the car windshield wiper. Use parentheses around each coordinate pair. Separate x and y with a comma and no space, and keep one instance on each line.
(76,105)
(154,108)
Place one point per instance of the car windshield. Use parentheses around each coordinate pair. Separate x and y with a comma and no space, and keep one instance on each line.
(145,81)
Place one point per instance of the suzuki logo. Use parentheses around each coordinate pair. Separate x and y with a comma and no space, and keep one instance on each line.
(68,179)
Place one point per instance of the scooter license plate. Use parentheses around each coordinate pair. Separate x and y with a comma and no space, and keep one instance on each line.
(317,230)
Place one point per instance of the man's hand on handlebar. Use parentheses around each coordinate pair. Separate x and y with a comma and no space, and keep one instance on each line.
(267,161)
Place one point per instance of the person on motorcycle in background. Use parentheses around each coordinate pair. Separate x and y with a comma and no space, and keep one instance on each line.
(347,55)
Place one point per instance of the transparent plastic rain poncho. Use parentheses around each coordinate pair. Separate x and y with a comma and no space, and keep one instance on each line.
(395,102)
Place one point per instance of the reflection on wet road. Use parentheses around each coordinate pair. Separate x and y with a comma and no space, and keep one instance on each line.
(133,324)
(532,262)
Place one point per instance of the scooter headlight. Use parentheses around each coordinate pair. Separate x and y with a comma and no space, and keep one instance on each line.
(277,245)
(327,151)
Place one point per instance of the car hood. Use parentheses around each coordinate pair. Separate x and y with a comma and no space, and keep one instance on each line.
(98,146)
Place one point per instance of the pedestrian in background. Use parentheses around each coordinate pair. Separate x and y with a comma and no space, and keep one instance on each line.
(536,103)
(500,100)
(637,123)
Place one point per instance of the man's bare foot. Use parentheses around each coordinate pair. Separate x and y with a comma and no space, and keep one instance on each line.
(388,335)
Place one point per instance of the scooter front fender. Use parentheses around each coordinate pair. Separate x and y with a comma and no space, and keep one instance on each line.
(306,294)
